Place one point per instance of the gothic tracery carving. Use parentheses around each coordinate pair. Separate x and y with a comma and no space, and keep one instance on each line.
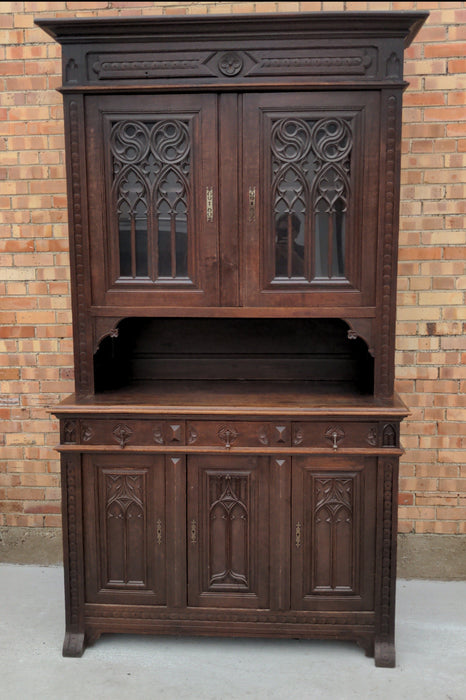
(311,163)
(151,189)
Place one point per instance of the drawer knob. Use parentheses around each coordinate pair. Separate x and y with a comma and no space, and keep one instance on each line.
(228,435)
(122,434)
(335,435)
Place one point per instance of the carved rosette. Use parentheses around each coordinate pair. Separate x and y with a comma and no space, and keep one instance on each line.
(230,64)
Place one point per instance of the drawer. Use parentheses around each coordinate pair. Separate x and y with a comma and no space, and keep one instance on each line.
(122,432)
(238,434)
(341,434)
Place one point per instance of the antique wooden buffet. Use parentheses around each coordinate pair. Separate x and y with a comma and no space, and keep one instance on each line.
(230,456)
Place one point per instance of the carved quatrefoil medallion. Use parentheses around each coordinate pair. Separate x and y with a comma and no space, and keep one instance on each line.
(335,435)
(228,434)
(122,434)
(230,64)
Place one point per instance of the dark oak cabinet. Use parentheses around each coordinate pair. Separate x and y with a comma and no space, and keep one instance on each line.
(230,455)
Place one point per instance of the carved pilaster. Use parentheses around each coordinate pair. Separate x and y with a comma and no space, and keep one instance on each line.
(389,225)
(384,641)
(78,221)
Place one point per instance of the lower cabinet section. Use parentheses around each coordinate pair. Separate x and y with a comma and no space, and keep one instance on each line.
(234,544)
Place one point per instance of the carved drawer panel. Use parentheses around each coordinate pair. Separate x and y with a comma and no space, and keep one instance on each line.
(238,434)
(122,432)
(341,434)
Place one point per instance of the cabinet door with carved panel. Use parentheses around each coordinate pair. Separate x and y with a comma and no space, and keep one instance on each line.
(152,182)
(125,529)
(310,167)
(333,543)
(228,543)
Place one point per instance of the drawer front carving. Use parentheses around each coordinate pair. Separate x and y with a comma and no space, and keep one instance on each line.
(238,434)
(122,432)
(332,434)
(340,434)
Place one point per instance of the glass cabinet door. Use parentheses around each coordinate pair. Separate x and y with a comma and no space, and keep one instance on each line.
(157,230)
(310,162)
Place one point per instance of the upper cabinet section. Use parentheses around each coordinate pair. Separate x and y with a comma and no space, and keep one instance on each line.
(211,50)
(234,166)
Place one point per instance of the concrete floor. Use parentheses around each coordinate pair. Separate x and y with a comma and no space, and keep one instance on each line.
(431,654)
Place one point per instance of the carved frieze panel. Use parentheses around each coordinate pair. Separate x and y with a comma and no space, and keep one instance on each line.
(145,65)
(361,61)
(358,62)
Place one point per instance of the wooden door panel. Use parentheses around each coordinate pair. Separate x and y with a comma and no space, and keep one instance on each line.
(227,531)
(125,525)
(310,165)
(153,171)
(334,511)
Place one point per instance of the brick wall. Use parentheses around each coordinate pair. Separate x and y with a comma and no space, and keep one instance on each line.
(35,331)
